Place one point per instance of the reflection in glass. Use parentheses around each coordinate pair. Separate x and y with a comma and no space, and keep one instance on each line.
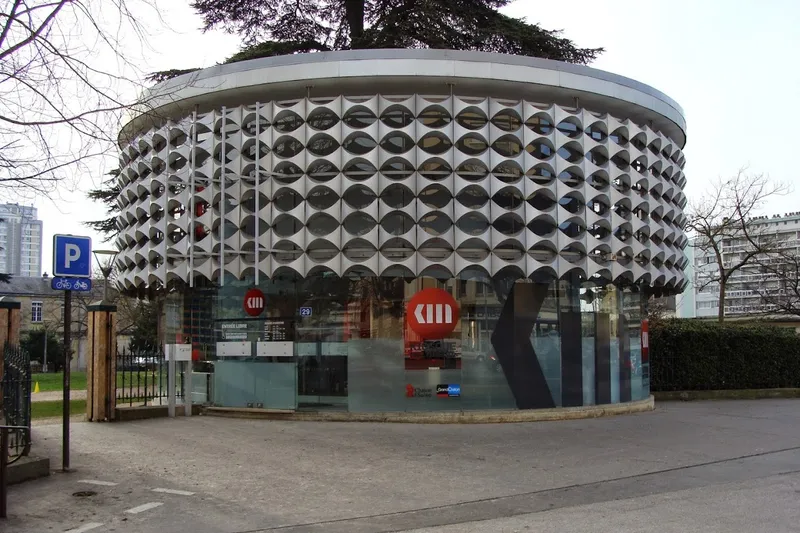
(472,170)
(359,117)
(540,123)
(397,116)
(472,144)
(472,118)
(507,120)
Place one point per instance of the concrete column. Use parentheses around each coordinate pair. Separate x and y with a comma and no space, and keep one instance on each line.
(101,363)
(10,317)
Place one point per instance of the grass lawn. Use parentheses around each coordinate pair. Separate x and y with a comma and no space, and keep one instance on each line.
(55,380)
(135,381)
(54,409)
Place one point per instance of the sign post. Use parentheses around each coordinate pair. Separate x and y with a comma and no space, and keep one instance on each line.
(72,261)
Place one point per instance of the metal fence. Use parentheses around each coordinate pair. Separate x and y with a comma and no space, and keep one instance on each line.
(17,400)
(142,378)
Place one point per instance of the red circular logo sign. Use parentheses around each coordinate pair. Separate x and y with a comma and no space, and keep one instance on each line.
(254,302)
(432,313)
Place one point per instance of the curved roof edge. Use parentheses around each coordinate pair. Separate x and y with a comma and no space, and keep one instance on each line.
(397,63)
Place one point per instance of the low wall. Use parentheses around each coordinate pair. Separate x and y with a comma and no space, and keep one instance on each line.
(445,417)
(143,412)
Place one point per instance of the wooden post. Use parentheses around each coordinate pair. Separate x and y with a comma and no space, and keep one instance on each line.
(101,371)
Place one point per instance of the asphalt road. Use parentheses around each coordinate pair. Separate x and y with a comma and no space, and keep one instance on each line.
(700,466)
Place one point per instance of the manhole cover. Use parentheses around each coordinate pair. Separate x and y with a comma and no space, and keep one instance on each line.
(84,493)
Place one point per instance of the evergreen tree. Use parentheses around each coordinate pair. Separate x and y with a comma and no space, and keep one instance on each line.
(280,27)
(107,195)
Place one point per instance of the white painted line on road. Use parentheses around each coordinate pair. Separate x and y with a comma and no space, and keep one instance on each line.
(174,491)
(98,482)
(143,508)
(85,527)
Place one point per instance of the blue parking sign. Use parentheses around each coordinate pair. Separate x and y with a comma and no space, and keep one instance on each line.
(72,256)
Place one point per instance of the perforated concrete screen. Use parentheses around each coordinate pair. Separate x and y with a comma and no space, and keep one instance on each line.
(401,183)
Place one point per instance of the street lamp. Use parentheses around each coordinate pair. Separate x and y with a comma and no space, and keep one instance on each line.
(105,258)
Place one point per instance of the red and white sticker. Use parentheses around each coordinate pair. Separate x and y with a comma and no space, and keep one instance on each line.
(432,313)
(254,302)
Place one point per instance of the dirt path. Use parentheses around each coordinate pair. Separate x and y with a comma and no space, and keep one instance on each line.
(56,395)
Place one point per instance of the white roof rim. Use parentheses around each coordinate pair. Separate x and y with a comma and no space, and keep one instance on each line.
(179,95)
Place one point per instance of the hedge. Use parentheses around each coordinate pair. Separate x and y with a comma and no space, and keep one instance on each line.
(691,355)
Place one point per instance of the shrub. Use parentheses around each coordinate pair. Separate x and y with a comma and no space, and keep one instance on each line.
(693,355)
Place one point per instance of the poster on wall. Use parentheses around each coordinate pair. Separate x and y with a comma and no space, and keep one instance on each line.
(431,317)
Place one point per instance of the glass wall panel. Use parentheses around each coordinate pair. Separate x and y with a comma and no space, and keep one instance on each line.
(364,343)
(546,341)
(374,329)
(588,342)
(241,383)
(634,313)
(606,306)
(432,362)
(320,342)
(484,384)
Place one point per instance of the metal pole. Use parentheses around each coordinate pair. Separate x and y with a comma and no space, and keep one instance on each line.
(187,388)
(170,380)
(67,357)
(44,363)
(105,287)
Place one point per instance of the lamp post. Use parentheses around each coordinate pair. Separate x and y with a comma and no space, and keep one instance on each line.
(105,259)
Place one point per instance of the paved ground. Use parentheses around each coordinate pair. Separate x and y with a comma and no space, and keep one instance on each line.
(700,466)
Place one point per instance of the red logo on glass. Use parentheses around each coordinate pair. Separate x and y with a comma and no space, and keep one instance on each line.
(254,302)
(432,313)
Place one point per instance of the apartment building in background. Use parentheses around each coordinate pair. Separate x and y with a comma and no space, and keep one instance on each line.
(20,241)
(744,294)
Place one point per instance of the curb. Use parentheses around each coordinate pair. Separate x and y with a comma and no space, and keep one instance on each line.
(28,468)
(743,394)
(455,417)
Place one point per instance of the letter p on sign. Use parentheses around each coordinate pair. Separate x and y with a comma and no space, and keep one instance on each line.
(73,253)
(72,256)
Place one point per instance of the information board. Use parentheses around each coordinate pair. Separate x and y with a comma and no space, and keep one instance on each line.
(278,330)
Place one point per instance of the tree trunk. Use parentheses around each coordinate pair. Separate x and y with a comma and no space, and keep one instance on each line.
(354,10)
(722,283)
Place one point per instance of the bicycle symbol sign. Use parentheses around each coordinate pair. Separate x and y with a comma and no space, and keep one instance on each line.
(71,284)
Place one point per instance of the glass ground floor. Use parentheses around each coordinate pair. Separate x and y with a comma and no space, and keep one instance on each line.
(355,343)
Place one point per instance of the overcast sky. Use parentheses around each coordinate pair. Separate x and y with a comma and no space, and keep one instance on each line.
(731,64)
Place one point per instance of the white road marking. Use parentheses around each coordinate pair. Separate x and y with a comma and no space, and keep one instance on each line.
(98,482)
(174,491)
(85,527)
(143,508)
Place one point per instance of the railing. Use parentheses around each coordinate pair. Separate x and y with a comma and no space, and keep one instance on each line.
(142,378)
(17,401)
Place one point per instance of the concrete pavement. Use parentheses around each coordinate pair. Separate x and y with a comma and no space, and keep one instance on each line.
(681,467)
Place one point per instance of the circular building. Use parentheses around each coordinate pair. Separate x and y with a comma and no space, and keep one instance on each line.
(406,230)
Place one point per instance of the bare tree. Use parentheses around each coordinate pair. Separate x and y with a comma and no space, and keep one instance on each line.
(779,281)
(60,106)
(722,222)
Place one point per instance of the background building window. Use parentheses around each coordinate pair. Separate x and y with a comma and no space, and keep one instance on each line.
(36,311)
